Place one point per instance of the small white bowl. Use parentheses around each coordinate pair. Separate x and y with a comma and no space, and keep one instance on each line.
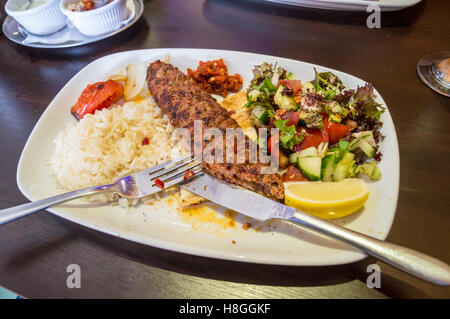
(42,20)
(97,21)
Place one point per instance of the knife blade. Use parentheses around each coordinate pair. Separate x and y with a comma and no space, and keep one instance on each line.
(261,208)
(238,199)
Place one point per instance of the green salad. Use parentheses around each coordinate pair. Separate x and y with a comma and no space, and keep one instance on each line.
(325,132)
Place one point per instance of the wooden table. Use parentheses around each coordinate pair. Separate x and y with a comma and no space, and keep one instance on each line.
(35,250)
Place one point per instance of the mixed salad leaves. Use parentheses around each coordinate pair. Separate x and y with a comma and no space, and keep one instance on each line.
(325,131)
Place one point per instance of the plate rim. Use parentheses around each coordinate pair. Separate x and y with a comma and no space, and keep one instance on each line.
(195,250)
(345,5)
(9,19)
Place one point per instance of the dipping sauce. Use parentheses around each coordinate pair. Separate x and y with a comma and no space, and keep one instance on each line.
(27,5)
(87,5)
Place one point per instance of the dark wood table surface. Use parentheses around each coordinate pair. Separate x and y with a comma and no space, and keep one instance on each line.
(35,251)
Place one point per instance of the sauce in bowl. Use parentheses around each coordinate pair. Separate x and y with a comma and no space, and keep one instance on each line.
(86,5)
(31,4)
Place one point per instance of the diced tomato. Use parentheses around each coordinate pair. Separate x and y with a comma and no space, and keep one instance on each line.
(325,135)
(293,175)
(336,131)
(159,183)
(313,138)
(294,85)
(97,96)
(273,144)
(145,141)
(292,118)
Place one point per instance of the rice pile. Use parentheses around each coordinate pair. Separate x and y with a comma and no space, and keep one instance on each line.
(108,145)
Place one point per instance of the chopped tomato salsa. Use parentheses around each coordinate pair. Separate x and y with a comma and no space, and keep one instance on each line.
(213,77)
(97,96)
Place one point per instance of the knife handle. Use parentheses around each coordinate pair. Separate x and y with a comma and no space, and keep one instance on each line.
(408,260)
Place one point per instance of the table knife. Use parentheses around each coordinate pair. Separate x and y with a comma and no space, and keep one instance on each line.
(262,208)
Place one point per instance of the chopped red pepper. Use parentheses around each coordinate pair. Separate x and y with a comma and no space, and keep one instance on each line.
(188,175)
(232,112)
(159,183)
(145,141)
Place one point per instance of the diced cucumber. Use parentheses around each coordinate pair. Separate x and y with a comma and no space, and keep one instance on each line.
(310,167)
(261,113)
(367,136)
(363,145)
(370,169)
(354,144)
(310,151)
(308,87)
(293,157)
(285,102)
(328,165)
(366,148)
(290,76)
(336,118)
(342,168)
(253,95)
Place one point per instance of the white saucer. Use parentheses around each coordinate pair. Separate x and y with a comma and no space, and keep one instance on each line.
(69,36)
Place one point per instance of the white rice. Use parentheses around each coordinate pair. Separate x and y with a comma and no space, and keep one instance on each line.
(106,146)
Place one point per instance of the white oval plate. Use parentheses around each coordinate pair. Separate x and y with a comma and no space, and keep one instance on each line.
(161,225)
(350,5)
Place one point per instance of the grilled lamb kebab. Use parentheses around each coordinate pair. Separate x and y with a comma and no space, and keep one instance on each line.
(185,101)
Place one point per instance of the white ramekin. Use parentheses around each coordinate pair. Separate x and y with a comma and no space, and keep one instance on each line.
(42,20)
(97,21)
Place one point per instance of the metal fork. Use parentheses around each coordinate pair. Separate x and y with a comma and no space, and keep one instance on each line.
(138,185)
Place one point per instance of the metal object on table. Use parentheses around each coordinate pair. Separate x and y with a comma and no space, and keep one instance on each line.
(15,33)
(262,209)
(430,71)
(138,185)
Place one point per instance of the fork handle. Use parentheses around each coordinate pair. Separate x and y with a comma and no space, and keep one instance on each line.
(9,214)
(408,260)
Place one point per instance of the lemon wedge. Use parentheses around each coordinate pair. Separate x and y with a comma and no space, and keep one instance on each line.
(327,200)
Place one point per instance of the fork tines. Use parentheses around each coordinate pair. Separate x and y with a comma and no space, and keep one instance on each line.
(174,172)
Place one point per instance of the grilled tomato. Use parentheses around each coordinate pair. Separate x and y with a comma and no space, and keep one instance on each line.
(97,96)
